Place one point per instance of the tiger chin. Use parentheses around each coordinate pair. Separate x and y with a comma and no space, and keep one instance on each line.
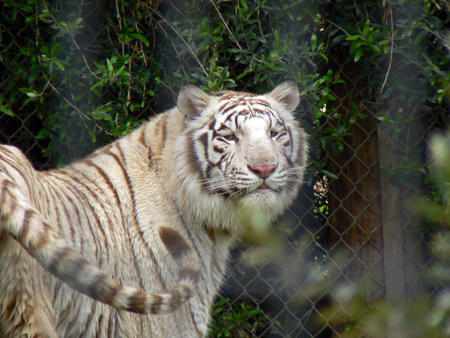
(156,211)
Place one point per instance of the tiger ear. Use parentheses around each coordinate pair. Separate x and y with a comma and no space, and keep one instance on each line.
(287,94)
(192,101)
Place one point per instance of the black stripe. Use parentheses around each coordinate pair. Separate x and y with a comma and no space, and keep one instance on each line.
(218,162)
(136,225)
(142,134)
(89,318)
(12,156)
(105,289)
(5,190)
(16,168)
(99,326)
(289,158)
(204,141)
(160,124)
(84,197)
(236,122)
(156,306)
(227,111)
(194,160)
(53,204)
(25,225)
(193,321)
(174,243)
(94,195)
(259,101)
(119,205)
(65,265)
(218,150)
(187,231)
(43,189)
(78,224)
(66,212)
(222,127)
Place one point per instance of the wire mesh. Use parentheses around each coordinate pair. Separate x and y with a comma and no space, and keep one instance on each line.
(332,234)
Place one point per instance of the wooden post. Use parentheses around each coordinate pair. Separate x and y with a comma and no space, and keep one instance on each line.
(391,217)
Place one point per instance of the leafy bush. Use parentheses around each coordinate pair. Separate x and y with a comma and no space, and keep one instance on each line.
(238,320)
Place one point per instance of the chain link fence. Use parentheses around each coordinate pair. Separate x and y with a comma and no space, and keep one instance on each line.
(356,229)
(363,234)
(360,229)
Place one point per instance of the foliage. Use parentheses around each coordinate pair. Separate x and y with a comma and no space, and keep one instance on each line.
(80,70)
(95,69)
(410,318)
(75,74)
(238,320)
(402,47)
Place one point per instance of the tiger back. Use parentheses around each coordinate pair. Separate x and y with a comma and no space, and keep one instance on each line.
(156,211)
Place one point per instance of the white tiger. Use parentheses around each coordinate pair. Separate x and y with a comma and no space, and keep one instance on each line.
(156,210)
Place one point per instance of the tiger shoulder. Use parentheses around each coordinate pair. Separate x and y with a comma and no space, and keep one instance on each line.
(134,239)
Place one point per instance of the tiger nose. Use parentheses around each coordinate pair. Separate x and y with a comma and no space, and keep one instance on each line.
(263,171)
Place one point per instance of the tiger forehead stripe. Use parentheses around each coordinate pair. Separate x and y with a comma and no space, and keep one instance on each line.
(249,109)
(241,99)
(234,99)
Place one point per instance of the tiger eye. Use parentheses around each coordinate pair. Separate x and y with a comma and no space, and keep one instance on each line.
(231,137)
(273,133)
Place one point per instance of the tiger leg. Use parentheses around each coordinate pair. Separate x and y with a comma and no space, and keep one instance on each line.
(24,297)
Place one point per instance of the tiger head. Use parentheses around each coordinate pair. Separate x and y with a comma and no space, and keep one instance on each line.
(238,153)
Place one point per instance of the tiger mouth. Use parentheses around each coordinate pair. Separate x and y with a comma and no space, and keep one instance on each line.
(263,186)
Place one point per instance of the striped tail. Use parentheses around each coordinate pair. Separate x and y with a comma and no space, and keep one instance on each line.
(19,217)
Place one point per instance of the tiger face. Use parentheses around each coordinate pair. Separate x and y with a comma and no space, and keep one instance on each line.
(248,150)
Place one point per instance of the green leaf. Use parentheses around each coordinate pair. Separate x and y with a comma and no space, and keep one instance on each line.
(358,54)
(324,56)
(331,97)
(318,113)
(385,119)
(216,311)
(277,38)
(7,111)
(254,312)
(353,37)
(58,64)
(244,4)
(340,145)
(222,302)
(140,37)
(99,83)
(32,94)
(322,101)
(329,174)
(42,133)
(420,169)
(366,27)
(242,75)
(26,90)
(275,67)
(313,41)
